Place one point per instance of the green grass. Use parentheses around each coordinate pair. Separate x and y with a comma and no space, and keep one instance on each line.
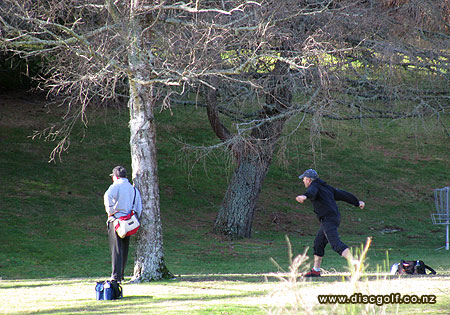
(54,221)
(213,294)
(53,296)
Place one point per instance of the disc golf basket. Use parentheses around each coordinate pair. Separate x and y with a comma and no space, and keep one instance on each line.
(442,215)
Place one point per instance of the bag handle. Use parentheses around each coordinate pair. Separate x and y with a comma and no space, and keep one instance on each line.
(431,269)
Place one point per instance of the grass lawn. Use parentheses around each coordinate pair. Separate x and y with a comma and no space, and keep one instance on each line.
(54,242)
(224,294)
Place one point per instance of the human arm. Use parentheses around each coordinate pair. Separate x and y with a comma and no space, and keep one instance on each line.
(109,200)
(311,192)
(343,195)
(301,198)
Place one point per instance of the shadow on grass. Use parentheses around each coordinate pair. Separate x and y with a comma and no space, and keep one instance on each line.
(35,283)
(135,303)
(234,277)
(230,309)
(30,286)
(210,297)
(332,277)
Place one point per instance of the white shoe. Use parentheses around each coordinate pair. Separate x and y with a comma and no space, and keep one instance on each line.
(356,263)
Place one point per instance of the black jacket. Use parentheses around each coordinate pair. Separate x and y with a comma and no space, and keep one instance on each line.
(324,197)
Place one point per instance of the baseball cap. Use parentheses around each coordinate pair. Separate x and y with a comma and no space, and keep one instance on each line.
(119,171)
(310,173)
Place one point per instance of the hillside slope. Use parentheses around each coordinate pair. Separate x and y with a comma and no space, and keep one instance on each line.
(54,222)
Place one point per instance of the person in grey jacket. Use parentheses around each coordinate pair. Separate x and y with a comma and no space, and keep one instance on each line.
(323,198)
(120,198)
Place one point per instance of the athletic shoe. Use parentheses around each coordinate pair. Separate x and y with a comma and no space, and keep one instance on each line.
(312,273)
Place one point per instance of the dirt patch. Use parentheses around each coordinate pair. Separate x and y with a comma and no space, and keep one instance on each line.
(22,109)
(287,222)
(391,229)
(401,156)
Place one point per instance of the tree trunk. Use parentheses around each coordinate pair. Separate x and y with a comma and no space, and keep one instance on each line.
(235,217)
(254,156)
(149,262)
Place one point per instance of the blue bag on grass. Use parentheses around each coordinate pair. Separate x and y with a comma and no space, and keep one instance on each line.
(108,290)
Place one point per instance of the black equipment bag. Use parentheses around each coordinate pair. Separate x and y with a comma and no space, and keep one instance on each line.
(117,290)
(414,267)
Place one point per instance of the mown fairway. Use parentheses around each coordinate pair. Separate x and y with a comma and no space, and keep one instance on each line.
(226,294)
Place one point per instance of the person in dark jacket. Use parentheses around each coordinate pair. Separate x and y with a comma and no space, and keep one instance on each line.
(323,198)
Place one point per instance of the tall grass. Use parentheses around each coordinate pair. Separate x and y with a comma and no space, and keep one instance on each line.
(367,292)
(298,296)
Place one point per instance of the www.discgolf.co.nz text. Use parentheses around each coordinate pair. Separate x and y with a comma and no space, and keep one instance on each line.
(393,298)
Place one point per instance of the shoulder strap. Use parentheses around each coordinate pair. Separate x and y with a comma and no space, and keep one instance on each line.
(119,292)
(431,269)
(134,198)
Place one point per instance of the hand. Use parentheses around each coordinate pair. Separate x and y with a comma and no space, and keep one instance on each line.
(300,198)
(361,204)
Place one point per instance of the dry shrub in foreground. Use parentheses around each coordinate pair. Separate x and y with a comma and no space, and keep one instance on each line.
(297,295)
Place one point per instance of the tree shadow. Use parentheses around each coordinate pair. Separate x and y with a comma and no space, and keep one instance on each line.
(274,277)
(226,277)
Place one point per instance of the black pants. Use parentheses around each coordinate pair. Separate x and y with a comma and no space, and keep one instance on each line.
(328,234)
(119,252)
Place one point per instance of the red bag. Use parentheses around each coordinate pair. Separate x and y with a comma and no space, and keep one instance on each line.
(127,225)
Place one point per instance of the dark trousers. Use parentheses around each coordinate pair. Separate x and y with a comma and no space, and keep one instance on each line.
(119,252)
(328,233)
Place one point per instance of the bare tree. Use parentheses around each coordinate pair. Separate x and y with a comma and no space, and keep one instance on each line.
(339,60)
(259,64)
(91,48)
(97,50)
